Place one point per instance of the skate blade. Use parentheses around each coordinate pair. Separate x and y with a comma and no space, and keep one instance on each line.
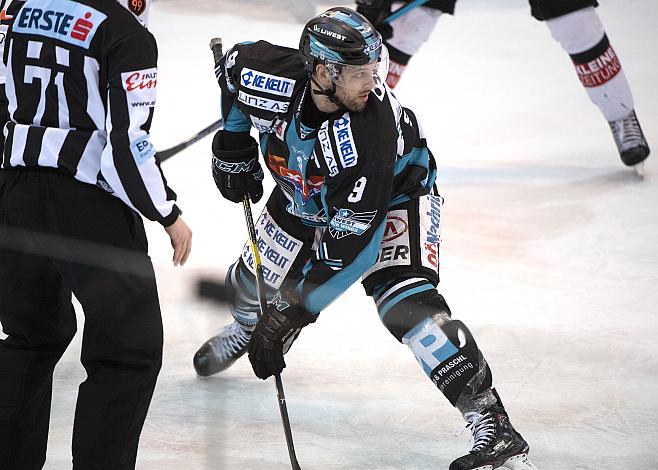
(639,169)
(519,462)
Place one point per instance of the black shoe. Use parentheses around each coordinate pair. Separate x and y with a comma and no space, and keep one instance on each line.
(221,351)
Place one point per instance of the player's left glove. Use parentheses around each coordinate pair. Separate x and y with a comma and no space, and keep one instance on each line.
(275,331)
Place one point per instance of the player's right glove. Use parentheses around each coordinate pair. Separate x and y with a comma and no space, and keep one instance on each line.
(237,172)
(376,11)
(274,334)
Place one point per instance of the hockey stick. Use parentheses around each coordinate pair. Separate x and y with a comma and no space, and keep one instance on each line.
(262,300)
(216,47)
(404,10)
(170,152)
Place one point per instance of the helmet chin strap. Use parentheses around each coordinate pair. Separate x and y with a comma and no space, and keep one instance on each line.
(329,94)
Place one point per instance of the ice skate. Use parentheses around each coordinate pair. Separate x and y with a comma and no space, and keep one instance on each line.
(633,147)
(496,444)
(221,351)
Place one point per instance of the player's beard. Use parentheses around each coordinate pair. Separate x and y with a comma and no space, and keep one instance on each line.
(353,104)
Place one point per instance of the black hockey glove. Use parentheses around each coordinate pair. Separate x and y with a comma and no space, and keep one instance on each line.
(237,172)
(376,11)
(275,331)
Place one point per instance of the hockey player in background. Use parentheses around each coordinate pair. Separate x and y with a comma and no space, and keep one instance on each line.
(355,198)
(573,23)
(76,168)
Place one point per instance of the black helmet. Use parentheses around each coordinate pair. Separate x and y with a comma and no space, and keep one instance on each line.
(339,36)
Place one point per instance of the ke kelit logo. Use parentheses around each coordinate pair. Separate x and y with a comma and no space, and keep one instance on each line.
(308,188)
(344,142)
(265,82)
(137,6)
(64,20)
(395,227)
(347,222)
(600,70)
(278,250)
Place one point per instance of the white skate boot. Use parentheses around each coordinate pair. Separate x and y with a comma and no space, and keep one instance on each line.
(222,350)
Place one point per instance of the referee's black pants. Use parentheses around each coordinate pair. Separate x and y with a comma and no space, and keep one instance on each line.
(57,237)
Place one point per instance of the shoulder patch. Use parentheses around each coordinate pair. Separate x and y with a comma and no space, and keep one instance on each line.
(64,20)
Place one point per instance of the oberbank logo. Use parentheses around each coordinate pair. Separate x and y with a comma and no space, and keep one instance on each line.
(67,21)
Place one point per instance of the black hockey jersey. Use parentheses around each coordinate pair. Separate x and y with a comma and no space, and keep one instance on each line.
(342,175)
(80,86)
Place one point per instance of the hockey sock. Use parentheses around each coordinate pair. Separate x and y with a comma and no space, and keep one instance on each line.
(582,36)
(448,354)
(410,31)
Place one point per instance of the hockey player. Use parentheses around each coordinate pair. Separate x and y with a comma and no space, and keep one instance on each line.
(572,23)
(354,199)
(76,168)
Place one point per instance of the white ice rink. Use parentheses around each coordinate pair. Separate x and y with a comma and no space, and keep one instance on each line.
(550,255)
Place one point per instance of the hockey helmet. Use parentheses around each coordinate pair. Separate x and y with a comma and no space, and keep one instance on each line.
(338,37)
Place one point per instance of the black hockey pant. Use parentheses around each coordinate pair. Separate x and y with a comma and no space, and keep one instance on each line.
(58,237)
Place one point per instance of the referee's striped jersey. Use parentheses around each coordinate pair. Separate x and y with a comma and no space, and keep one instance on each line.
(80,88)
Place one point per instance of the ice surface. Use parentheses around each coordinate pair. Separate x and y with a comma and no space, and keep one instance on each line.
(550,256)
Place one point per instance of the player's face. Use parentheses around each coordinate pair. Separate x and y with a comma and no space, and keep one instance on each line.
(354,84)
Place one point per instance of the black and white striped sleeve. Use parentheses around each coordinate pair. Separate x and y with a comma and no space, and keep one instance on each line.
(128,163)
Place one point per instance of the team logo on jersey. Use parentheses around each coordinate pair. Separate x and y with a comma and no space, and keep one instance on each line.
(64,20)
(140,87)
(308,188)
(345,142)
(263,103)
(137,6)
(265,82)
(347,222)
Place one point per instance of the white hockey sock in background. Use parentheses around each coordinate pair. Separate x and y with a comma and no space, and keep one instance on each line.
(581,34)
(412,29)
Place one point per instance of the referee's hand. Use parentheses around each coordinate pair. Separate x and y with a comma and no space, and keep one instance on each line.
(181,240)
